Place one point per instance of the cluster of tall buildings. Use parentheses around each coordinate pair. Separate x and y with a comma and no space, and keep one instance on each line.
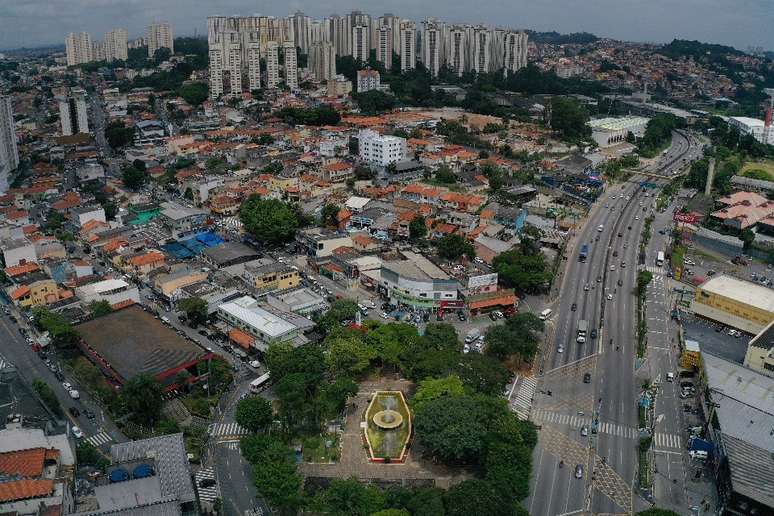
(9,153)
(72,112)
(81,49)
(238,43)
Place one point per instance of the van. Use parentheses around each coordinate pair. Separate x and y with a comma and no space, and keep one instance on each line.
(670,377)
(545,314)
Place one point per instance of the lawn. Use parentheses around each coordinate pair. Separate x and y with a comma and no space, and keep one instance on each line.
(315,449)
(766,166)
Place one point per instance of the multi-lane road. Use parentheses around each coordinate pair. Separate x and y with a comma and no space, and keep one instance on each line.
(580,465)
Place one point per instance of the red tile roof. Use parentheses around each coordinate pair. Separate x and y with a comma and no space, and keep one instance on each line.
(26,463)
(25,489)
(18,270)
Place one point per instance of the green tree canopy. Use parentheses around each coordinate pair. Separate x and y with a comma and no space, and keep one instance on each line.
(434,388)
(445,175)
(476,497)
(374,101)
(348,498)
(195,309)
(341,310)
(194,93)
(100,308)
(142,397)
(118,135)
(134,178)
(329,216)
(348,355)
(269,220)
(417,228)
(254,413)
(518,336)
(524,272)
(454,246)
(569,118)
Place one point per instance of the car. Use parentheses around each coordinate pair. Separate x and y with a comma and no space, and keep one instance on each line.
(612,267)
(560,349)
(584,431)
(599,279)
(626,245)
(67,385)
(593,333)
(615,253)
(385,315)
(203,333)
(670,377)
(499,314)
(77,432)
(661,232)
(574,307)
(586,287)
(620,235)
(89,414)
(207,482)
(610,297)
(587,378)
(629,228)
(492,316)
(619,282)
(601,228)
(579,471)
(74,411)
(59,376)
(461,316)
(255,364)
(75,394)
(466,348)
(636,217)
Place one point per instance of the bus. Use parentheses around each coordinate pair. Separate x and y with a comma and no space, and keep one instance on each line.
(660,258)
(583,327)
(259,383)
(584,253)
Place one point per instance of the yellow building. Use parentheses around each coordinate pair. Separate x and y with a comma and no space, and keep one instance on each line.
(168,282)
(39,293)
(272,276)
(736,303)
(760,352)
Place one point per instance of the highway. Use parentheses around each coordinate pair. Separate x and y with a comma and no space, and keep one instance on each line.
(595,378)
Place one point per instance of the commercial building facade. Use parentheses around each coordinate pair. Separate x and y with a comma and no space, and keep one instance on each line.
(736,303)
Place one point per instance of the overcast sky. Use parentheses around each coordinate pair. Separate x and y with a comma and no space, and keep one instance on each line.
(740,23)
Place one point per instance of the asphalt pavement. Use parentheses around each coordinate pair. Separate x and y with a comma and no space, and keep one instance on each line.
(595,380)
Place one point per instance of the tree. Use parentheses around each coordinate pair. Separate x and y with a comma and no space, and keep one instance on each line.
(476,497)
(333,396)
(194,93)
(452,429)
(63,335)
(569,118)
(269,220)
(524,272)
(434,388)
(324,114)
(374,101)
(643,279)
(417,228)
(195,309)
(142,397)
(161,54)
(283,359)
(118,135)
(494,175)
(87,455)
(254,413)
(340,311)
(100,308)
(482,373)
(348,355)
(748,237)
(445,175)
(348,498)
(280,484)
(454,246)
(441,337)
(518,336)
(47,395)
(391,512)
(329,216)
(134,178)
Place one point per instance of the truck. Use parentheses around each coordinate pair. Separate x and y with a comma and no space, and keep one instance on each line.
(584,253)
(583,327)
(259,383)
(660,258)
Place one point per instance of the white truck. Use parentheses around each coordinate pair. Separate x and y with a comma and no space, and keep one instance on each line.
(583,327)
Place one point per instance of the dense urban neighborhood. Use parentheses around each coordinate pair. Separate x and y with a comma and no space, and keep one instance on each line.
(364,265)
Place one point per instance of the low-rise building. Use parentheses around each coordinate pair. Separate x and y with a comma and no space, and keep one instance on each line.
(38,293)
(270,277)
(302,301)
(264,326)
(760,352)
(114,291)
(380,150)
(181,220)
(736,303)
(228,254)
(169,282)
(612,131)
(416,281)
(754,127)
(320,243)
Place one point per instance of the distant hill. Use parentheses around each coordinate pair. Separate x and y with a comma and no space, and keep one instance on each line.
(685,48)
(556,38)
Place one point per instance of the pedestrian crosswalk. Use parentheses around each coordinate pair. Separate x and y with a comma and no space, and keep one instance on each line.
(254,512)
(662,440)
(222,429)
(546,416)
(231,445)
(523,400)
(655,270)
(206,485)
(99,439)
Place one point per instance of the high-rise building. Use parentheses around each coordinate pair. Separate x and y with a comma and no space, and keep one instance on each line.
(368,80)
(9,153)
(361,47)
(393,22)
(455,50)
(291,64)
(482,50)
(515,51)
(160,36)
(384,46)
(235,49)
(432,45)
(72,113)
(301,26)
(408,46)
(272,64)
(115,44)
(322,60)
(333,28)
(78,48)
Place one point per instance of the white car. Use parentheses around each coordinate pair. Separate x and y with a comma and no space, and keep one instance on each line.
(67,385)
(560,349)
(637,217)
(254,364)
(75,394)
(77,432)
(385,315)
(610,297)
(612,267)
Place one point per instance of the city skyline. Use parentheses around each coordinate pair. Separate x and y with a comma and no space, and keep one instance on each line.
(28,24)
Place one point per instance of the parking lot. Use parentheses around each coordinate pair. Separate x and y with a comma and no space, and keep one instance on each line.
(714,338)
